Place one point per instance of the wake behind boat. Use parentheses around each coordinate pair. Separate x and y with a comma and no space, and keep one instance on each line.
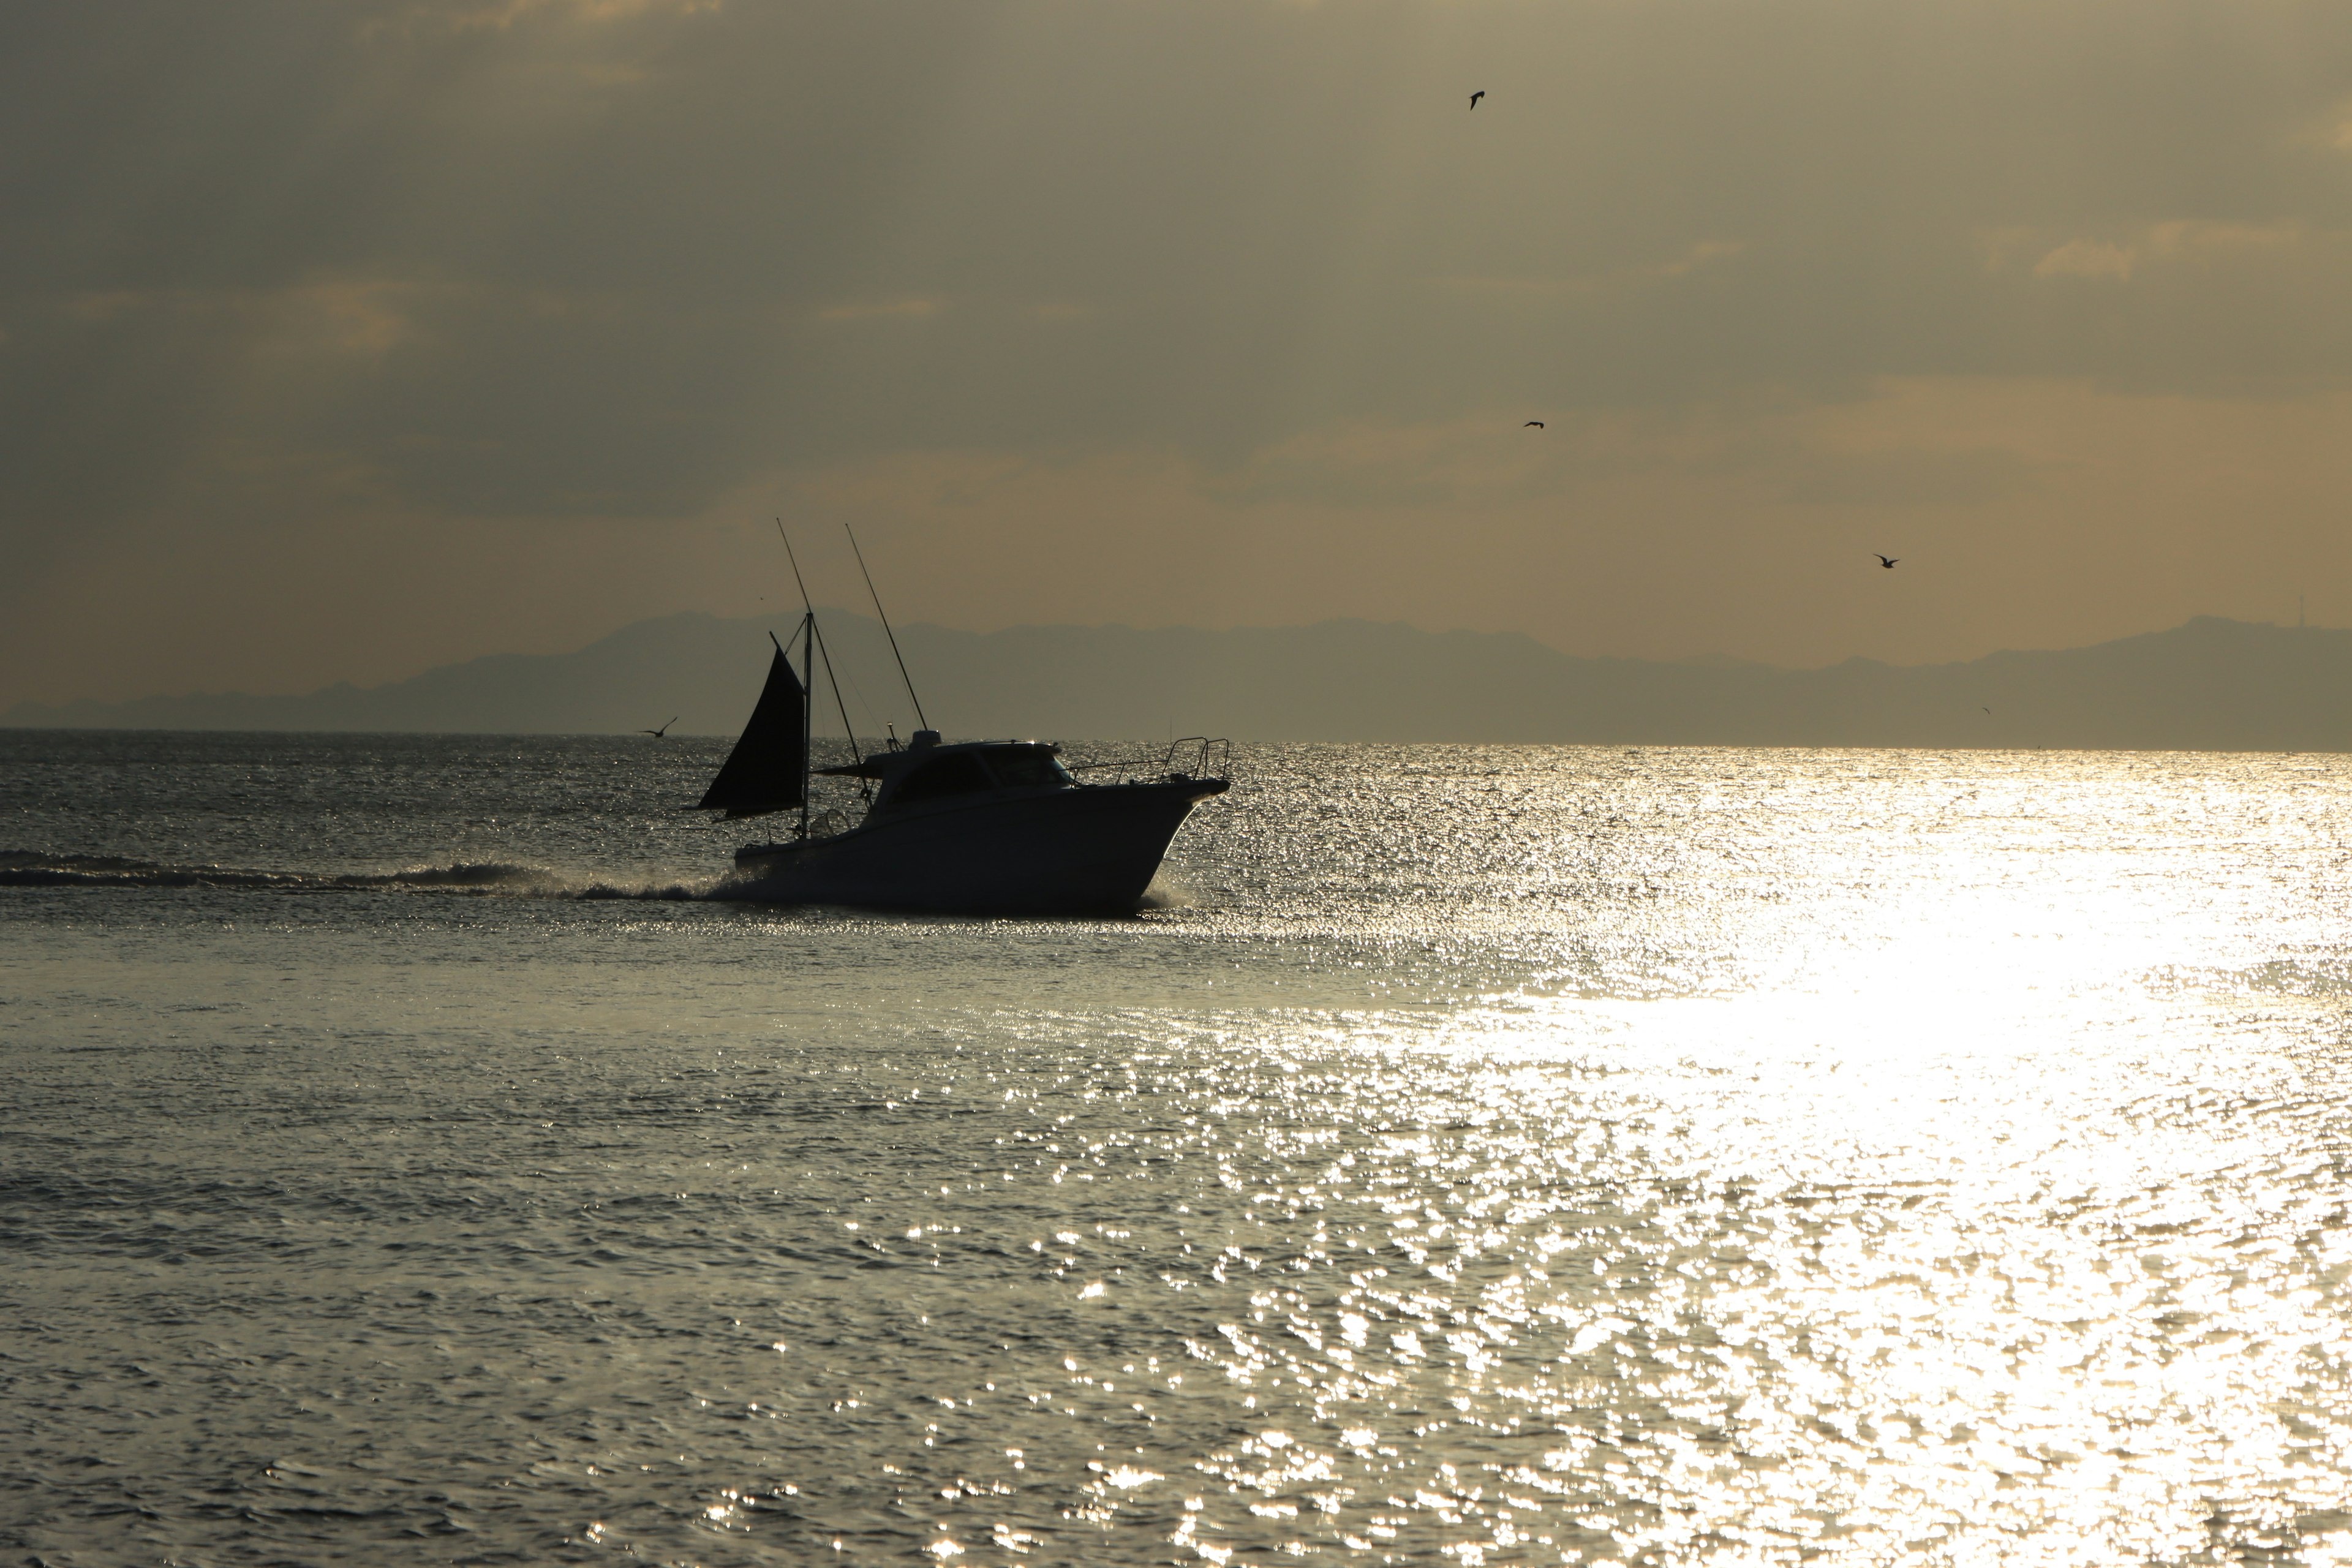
(970,828)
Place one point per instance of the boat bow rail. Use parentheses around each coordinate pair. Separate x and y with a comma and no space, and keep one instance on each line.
(1213,758)
(1204,756)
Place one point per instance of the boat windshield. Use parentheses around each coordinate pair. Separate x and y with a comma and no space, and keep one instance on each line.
(959,773)
(1026,767)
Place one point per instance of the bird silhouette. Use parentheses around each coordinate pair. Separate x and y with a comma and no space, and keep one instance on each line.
(1988,712)
(657,734)
(1476,96)
(1533,425)
(1886,561)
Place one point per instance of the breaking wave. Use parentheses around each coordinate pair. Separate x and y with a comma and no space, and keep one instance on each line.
(1167,892)
(33,869)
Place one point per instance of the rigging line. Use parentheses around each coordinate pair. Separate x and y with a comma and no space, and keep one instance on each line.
(887,632)
(873,709)
(866,705)
(825,653)
(847,729)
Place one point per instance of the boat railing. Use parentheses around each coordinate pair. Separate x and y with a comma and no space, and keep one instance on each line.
(1198,753)
(1208,746)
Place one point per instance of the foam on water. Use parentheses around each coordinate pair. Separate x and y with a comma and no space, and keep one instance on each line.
(34,869)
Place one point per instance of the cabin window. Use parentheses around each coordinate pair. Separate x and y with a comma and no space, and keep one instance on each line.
(1026,767)
(959,774)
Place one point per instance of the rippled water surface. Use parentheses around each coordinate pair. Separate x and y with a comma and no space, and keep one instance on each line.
(1488,1156)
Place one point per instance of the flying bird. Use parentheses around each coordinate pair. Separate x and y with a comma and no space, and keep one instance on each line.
(1533,425)
(1476,96)
(1886,561)
(657,734)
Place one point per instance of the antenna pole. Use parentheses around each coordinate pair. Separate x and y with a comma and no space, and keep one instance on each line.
(795,560)
(887,632)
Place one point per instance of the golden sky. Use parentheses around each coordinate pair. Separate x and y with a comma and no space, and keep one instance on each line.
(338,340)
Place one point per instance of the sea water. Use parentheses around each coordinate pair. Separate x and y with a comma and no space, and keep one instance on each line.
(1478,1155)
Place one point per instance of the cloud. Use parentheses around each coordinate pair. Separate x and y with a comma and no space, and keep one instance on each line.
(2207,240)
(2089,259)
(1913,477)
(525,264)
(2175,240)
(1484,462)
(501,15)
(1591,286)
(2050,512)
(350,316)
(1728,526)
(1865,453)
(917,309)
(2330,128)
(360,317)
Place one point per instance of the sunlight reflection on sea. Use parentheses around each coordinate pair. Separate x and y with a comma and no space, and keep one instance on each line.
(1497,1156)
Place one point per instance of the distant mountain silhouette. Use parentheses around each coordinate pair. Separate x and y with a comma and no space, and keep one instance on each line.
(2209,684)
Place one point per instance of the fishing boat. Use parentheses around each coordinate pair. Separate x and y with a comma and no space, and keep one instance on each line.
(965,827)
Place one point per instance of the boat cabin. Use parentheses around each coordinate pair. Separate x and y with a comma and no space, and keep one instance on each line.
(927,771)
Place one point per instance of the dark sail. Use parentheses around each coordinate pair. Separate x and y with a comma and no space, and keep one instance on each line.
(762,773)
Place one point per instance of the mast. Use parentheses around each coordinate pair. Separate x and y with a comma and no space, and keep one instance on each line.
(808,675)
(808,707)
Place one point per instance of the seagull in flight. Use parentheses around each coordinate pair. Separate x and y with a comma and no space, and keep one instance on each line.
(1533,425)
(1886,561)
(1476,96)
(657,734)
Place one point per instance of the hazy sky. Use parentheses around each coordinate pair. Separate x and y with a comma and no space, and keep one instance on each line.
(342,339)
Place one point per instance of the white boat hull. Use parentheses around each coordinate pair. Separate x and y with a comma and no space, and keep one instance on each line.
(1089,850)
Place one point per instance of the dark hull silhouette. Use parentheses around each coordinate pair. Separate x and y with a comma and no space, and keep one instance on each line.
(1088,850)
